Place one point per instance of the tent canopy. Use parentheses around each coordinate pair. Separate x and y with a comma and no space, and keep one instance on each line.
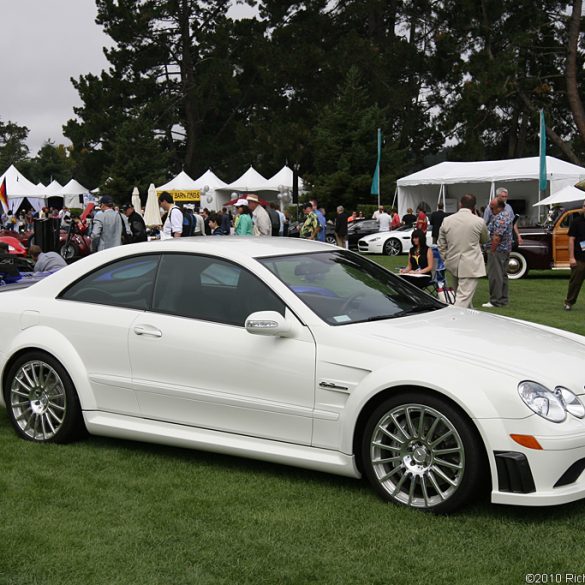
(211,180)
(74,188)
(251,180)
(182,182)
(54,189)
(284,178)
(18,186)
(448,181)
(567,195)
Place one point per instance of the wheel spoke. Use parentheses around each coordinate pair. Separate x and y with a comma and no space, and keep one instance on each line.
(412,488)
(386,460)
(25,386)
(448,464)
(392,436)
(409,423)
(391,473)
(440,473)
(436,487)
(441,438)
(399,427)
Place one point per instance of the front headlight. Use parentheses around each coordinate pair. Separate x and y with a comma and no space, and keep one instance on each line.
(570,401)
(542,401)
(373,240)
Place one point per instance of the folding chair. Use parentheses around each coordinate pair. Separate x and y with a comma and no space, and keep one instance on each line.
(438,286)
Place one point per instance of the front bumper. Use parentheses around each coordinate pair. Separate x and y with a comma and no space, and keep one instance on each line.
(370,247)
(530,477)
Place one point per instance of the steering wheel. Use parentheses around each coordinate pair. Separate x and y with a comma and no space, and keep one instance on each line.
(350,300)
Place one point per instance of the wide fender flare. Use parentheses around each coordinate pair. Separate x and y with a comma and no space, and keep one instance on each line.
(493,396)
(51,341)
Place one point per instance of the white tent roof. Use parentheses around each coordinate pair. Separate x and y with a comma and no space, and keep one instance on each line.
(566,195)
(182,182)
(251,180)
(211,180)
(518,169)
(54,189)
(74,188)
(284,178)
(17,185)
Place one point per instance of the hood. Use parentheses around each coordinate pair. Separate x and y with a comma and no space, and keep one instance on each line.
(494,342)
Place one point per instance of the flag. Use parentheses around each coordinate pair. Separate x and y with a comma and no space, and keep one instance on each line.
(375,190)
(542,154)
(3,195)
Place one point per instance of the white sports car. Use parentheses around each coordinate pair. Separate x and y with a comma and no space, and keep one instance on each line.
(390,243)
(300,353)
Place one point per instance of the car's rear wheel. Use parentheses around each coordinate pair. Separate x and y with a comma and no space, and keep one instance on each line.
(330,239)
(420,451)
(392,247)
(517,266)
(41,400)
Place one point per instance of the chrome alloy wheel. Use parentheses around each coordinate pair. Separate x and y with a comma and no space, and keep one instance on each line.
(38,400)
(417,455)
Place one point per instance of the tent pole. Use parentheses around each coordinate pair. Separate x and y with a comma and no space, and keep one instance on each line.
(394,200)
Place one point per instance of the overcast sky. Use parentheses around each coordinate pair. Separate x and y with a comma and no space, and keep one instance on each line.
(43,43)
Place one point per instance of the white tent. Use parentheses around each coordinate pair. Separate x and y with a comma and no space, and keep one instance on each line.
(18,187)
(450,180)
(183,189)
(210,185)
(283,183)
(569,194)
(251,180)
(73,192)
(54,189)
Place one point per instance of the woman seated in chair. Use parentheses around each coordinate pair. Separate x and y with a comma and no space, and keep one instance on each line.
(420,261)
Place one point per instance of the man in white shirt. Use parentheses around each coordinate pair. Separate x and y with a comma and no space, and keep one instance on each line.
(173,226)
(262,223)
(384,220)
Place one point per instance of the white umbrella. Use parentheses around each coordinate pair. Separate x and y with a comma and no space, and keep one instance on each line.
(152,210)
(136,203)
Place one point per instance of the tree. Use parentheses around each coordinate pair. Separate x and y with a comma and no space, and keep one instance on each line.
(13,149)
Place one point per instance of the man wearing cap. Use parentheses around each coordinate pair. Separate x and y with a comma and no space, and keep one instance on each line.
(173,226)
(136,223)
(108,226)
(262,223)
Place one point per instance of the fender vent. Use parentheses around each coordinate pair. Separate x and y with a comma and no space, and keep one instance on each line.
(572,474)
(514,473)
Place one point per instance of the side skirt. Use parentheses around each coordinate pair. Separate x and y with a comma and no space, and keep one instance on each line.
(164,433)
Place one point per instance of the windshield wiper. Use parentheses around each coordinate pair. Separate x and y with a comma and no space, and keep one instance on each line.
(416,309)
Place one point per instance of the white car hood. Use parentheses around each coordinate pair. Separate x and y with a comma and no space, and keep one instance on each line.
(494,342)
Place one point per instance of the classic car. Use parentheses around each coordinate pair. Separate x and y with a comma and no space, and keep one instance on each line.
(543,247)
(87,349)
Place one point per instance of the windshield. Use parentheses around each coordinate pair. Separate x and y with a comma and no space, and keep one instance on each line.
(342,287)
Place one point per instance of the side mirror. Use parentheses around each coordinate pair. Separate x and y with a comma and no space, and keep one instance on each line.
(268,323)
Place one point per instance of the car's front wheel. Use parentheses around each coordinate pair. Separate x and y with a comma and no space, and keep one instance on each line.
(41,400)
(419,451)
(392,247)
(517,266)
(69,251)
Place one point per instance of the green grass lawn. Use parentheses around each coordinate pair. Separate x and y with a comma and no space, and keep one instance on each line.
(107,511)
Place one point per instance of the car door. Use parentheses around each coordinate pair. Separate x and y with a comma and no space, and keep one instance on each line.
(561,239)
(95,314)
(194,363)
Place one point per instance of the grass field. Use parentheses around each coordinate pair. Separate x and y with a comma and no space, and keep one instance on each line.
(112,512)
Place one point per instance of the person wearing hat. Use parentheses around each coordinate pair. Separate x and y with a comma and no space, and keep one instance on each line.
(262,223)
(108,226)
(243,222)
(136,223)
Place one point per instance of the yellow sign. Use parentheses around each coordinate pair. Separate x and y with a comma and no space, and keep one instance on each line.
(184,196)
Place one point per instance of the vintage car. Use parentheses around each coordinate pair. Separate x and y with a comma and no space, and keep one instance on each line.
(543,247)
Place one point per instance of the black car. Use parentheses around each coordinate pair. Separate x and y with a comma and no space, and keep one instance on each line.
(355,230)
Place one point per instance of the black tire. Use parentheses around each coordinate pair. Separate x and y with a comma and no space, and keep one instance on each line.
(517,266)
(41,401)
(69,251)
(405,466)
(392,247)
(330,240)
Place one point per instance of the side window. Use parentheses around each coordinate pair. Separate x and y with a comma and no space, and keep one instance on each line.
(210,289)
(126,283)
(567,220)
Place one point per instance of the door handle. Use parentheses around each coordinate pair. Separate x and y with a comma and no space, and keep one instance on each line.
(147,330)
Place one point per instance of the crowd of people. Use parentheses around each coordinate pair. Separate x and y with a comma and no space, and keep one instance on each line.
(462,238)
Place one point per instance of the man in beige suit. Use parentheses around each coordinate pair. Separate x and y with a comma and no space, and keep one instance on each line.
(460,239)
